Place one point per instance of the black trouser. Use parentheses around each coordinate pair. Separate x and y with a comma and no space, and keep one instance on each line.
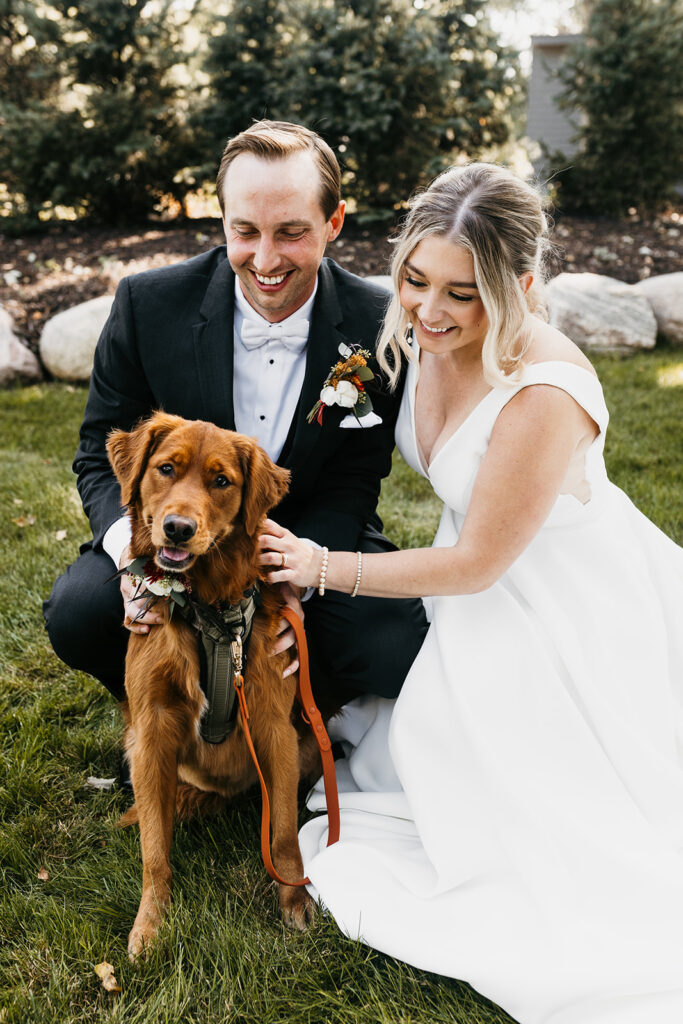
(357,645)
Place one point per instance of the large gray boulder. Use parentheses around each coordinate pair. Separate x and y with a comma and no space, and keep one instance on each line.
(665,294)
(382,280)
(67,344)
(17,362)
(601,313)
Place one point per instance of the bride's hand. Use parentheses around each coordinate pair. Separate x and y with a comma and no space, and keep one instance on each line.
(291,560)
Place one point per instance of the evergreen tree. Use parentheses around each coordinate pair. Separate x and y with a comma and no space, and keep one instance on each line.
(370,77)
(110,140)
(29,63)
(246,64)
(485,90)
(626,82)
(398,90)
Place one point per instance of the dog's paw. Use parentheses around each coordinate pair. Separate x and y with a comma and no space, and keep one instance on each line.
(298,908)
(139,942)
(148,921)
(142,937)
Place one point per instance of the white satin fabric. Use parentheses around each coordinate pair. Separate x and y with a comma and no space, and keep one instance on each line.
(515,819)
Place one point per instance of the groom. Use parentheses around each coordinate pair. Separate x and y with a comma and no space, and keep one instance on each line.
(244,336)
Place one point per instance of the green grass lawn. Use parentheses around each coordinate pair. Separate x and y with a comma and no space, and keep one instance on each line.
(225,957)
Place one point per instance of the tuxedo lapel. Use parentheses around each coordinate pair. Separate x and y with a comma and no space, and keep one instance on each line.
(213,346)
(322,351)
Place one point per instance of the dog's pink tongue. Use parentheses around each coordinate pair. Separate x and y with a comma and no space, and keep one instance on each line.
(174,554)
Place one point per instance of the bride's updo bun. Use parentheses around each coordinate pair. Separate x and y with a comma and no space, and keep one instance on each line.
(500,220)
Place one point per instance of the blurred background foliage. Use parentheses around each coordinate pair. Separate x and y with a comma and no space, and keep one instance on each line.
(623,84)
(115,108)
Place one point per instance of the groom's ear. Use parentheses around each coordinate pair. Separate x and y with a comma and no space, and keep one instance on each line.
(336,221)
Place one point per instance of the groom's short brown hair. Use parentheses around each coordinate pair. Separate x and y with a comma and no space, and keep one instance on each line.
(276,140)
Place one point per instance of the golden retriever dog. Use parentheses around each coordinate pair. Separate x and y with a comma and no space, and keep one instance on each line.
(197,497)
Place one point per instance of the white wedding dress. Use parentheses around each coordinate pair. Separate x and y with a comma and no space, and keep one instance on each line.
(515,818)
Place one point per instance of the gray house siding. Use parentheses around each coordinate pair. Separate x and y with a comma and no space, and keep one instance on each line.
(546,123)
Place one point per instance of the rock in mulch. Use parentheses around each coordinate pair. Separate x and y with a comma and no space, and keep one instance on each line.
(665,295)
(381,280)
(17,363)
(601,313)
(67,344)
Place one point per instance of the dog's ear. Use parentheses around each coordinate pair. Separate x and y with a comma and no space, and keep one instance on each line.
(265,484)
(129,451)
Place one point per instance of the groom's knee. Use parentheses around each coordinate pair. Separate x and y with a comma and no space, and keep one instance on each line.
(83,618)
(366,644)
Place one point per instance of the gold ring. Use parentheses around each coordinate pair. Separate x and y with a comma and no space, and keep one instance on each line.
(284,560)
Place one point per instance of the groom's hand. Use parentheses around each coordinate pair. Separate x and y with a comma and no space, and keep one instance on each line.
(286,638)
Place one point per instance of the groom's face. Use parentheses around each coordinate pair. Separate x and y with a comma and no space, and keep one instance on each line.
(276,230)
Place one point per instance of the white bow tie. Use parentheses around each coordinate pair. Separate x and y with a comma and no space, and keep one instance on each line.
(293,335)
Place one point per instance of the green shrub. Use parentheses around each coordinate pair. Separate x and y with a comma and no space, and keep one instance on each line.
(93,115)
(107,137)
(397,90)
(626,82)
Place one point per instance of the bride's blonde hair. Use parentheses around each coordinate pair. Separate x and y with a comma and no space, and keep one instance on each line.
(500,220)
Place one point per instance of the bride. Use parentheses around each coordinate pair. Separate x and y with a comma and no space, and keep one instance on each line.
(515,818)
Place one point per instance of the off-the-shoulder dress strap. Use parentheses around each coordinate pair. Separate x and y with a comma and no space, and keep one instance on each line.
(580,383)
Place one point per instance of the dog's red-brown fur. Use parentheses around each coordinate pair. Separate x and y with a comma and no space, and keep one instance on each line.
(224,483)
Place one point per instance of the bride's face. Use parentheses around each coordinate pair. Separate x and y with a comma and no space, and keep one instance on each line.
(440,296)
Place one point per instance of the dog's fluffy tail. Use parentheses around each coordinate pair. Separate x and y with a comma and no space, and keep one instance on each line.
(129,818)
(190,803)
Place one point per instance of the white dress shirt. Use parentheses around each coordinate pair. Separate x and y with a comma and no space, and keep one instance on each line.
(266,385)
(267,380)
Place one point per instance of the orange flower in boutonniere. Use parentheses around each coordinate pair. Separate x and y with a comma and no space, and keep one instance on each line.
(346,384)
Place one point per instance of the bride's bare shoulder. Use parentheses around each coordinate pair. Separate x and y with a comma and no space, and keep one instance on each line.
(548,344)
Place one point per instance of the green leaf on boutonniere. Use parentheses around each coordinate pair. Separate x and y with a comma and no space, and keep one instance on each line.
(363,406)
(364,373)
(137,565)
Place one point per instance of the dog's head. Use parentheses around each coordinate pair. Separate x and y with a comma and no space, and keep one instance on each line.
(190,485)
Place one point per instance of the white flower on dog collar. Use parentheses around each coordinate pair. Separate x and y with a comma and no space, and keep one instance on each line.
(150,577)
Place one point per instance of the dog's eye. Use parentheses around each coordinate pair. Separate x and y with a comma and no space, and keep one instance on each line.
(221,481)
(166,469)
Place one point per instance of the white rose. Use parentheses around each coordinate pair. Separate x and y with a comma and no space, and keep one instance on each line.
(177,585)
(328,396)
(347,394)
(162,588)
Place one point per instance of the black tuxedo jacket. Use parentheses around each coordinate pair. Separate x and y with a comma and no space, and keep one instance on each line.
(168,344)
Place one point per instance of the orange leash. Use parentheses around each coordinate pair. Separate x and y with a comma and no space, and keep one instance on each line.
(312,716)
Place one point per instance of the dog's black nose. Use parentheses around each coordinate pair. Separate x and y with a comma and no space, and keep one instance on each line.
(179,528)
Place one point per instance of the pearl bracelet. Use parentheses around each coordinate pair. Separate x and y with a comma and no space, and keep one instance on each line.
(359,573)
(323,571)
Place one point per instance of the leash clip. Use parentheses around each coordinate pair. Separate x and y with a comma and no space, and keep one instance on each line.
(236,651)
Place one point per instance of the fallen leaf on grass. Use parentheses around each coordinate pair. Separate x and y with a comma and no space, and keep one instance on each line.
(105,972)
(96,783)
(44,875)
(60,534)
(25,521)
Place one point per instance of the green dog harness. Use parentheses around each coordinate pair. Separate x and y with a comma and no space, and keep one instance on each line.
(223,634)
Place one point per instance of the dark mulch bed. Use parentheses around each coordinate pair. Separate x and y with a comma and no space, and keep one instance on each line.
(40,275)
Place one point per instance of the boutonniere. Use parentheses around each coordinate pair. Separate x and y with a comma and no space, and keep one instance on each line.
(345,384)
(171,585)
